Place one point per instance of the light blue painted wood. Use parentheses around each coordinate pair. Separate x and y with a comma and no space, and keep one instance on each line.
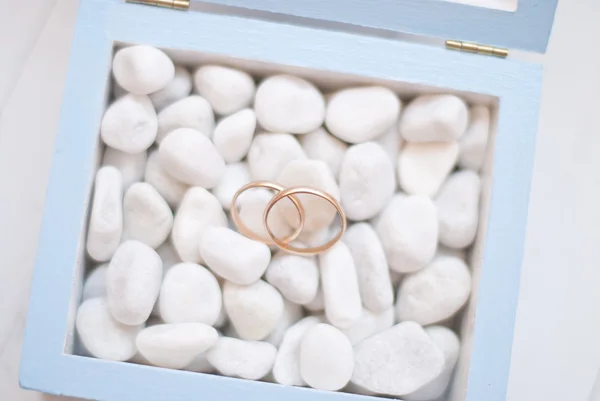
(528,28)
(45,367)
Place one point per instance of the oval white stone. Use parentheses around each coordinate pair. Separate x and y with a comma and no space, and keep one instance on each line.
(473,144)
(236,176)
(179,87)
(146,215)
(320,145)
(227,89)
(190,112)
(434,118)
(370,324)
(296,277)
(95,283)
(142,69)
(131,166)
(166,185)
(234,134)
(250,360)
(270,153)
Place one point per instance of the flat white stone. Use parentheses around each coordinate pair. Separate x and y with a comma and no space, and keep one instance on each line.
(106,218)
(130,124)
(190,112)
(434,118)
(233,135)
(270,153)
(174,346)
(285,103)
(435,293)
(366,181)
(474,143)
(236,176)
(370,324)
(146,215)
(190,293)
(227,89)
(142,69)
(95,283)
(408,230)
(423,167)
(458,209)
(326,358)
(296,277)
(131,166)
(103,336)
(171,189)
(371,265)
(252,205)
(291,314)
(250,360)
(254,310)
(340,286)
(179,88)
(321,145)
(397,361)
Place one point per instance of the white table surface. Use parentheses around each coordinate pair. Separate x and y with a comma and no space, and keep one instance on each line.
(556,354)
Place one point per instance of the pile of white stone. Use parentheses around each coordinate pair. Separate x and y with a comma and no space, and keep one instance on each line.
(174,285)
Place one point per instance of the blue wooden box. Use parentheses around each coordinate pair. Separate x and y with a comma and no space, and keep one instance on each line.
(333,42)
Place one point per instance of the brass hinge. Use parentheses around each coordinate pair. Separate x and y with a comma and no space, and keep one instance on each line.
(176,4)
(475,48)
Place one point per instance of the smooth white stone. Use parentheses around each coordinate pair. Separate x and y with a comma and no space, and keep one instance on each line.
(106,218)
(326,358)
(366,181)
(285,103)
(391,142)
(142,69)
(358,115)
(130,124)
(131,166)
(146,215)
(340,286)
(397,361)
(371,265)
(95,283)
(254,310)
(435,293)
(408,230)
(103,336)
(458,209)
(233,256)
(236,176)
(370,324)
(250,360)
(174,346)
(423,167)
(167,186)
(449,344)
(190,293)
(296,277)
(473,144)
(434,118)
(252,206)
(270,153)
(291,314)
(227,89)
(190,112)
(198,211)
(286,369)
(319,213)
(318,303)
(179,88)
(233,135)
(321,145)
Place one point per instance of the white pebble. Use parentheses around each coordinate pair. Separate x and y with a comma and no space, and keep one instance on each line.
(146,215)
(340,286)
(319,213)
(166,185)
(434,118)
(370,324)
(190,112)
(250,360)
(130,124)
(423,167)
(408,230)
(198,211)
(133,282)
(103,336)
(254,310)
(397,361)
(473,144)
(192,158)
(371,267)
(106,218)
(435,293)
(142,69)
(179,87)
(321,145)
(358,115)
(366,181)
(236,176)
(233,135)
(318,303)
(326,358)
(296,277)
(458,209)
(448,343)
(285,103)
(227,89)
(174,346)
(131,166)
(252,206)
(95,283)
(286,369)
(270,153)
(291,314)
(233,256)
